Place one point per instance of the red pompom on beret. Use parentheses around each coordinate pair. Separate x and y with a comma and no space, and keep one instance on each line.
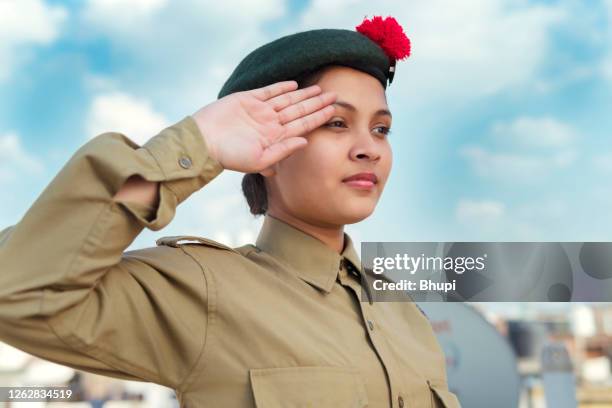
(389,35)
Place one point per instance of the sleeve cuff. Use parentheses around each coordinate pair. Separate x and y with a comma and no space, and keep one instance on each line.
(182,157)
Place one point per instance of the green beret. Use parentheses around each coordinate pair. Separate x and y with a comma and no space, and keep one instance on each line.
(373,51)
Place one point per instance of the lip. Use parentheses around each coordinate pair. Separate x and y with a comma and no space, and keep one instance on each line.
(364,181)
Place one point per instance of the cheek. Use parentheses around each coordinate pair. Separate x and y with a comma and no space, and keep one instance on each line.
(314,169)
(322,157)
(386,163)
(327,162)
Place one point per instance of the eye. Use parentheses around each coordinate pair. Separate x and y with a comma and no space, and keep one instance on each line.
(385,130)
(338,123)
(329,124)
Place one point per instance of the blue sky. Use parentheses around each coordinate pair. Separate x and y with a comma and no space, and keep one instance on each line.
(501,125)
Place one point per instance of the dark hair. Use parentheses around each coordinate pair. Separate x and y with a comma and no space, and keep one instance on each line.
(253,184)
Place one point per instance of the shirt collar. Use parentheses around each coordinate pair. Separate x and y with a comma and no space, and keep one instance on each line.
(311,259)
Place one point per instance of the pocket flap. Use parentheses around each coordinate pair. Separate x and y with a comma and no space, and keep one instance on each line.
(447,398)
(319,387)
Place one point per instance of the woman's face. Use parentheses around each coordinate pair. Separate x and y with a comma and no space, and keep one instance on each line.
(312,184)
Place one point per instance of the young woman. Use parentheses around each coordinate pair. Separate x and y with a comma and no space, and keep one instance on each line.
(275,324)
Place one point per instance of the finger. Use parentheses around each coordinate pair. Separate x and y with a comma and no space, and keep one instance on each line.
(270,91)
(278,151)
(306,107)
(282,101)
(268,171)
(308,123)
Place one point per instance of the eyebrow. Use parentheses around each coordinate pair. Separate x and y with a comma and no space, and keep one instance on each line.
(350,107)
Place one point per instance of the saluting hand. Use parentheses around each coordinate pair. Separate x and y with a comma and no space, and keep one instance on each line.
(249,131)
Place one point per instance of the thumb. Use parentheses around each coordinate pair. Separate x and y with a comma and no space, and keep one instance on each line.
(280,150)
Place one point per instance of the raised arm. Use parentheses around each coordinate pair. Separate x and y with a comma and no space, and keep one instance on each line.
(69,293)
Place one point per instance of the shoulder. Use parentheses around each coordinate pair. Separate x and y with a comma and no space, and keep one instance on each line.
(205,244)
(195,247)
(171,251)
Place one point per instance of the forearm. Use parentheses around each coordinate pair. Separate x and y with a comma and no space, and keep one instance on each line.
(137,189)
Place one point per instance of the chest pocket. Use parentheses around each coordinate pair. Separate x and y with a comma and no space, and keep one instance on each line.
(442,397)
(308,387)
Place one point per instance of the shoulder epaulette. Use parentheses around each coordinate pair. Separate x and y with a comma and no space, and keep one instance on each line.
(178,240)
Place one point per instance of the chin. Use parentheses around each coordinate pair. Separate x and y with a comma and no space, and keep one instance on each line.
(355,215)
(339,213)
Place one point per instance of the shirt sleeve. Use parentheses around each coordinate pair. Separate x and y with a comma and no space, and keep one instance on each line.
(68,291)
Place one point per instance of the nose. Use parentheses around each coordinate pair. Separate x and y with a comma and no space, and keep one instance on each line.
(365,147)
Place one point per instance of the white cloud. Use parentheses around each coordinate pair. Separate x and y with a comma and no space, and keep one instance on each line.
(97,83)
(603,162)
(223,210)
(249,11)
(535,132)
(463,52)
(199,33)
(133,18)
(186,48)
(25,23)
(483,211)
(121,16)
(235,238)
(516,167)
(15,160)
(526,149)
(606,68)
(493,220)
(246,236)
(223,237)
(569,75)
(119,112)
(606,64)
(549,209)
(222,206)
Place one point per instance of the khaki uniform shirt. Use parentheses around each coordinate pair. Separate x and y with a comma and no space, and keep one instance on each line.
(275,324)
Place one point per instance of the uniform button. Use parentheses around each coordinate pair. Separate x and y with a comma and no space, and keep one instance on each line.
(185,162)
(400,401)
(370,325)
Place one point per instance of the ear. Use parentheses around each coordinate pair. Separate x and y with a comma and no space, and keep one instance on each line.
(268,171)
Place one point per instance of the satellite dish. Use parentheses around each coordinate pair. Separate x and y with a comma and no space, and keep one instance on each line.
(480,363)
